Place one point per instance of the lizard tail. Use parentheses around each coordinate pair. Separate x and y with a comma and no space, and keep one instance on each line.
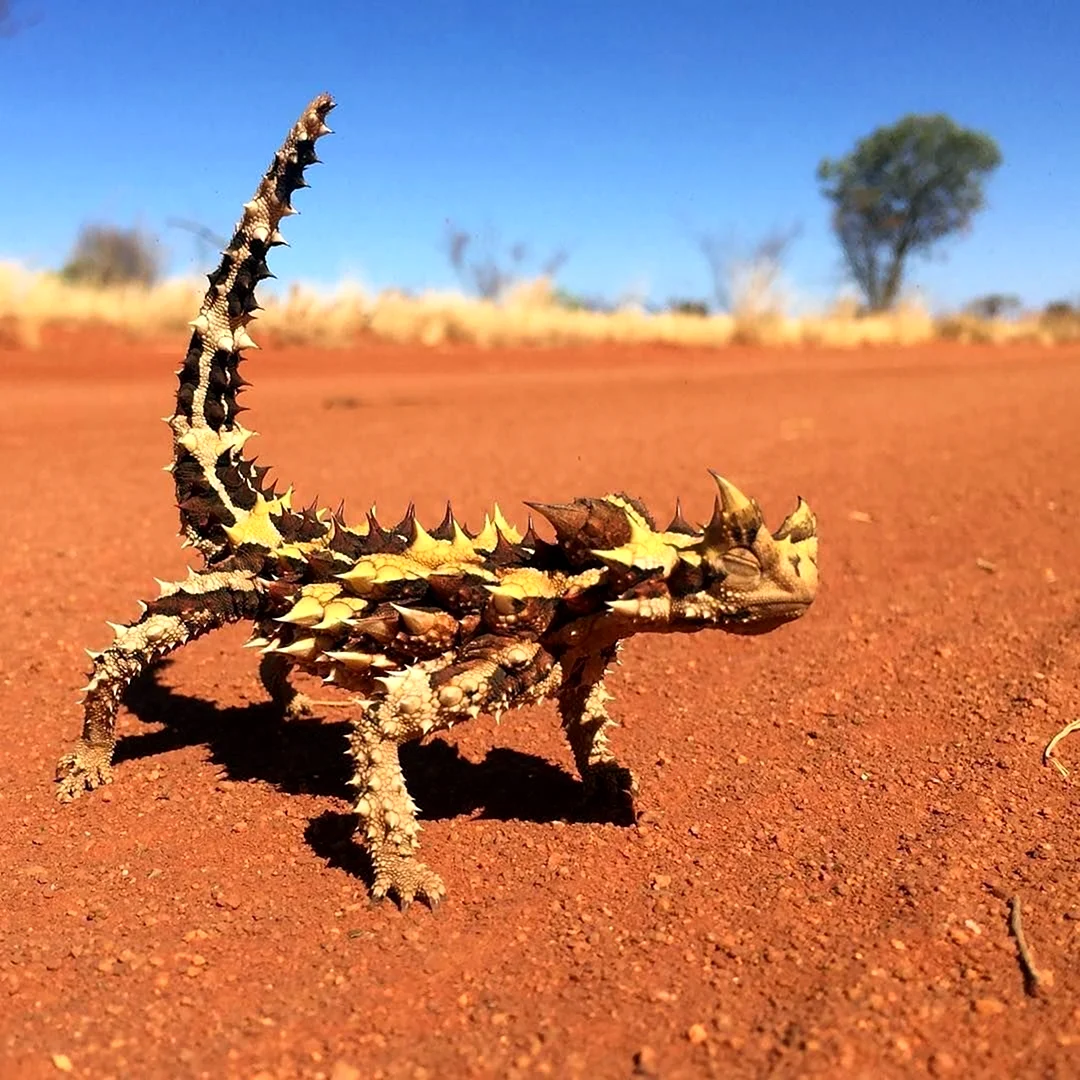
(218,489)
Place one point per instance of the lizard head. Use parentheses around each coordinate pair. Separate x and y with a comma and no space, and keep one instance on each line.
(747,580)
(731,574)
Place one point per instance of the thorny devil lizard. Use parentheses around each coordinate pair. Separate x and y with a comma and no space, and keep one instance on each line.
(424,628)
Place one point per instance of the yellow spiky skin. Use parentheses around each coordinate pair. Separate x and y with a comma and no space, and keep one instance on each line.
(420,628)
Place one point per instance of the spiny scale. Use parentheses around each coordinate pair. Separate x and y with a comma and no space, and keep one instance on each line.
(419,627)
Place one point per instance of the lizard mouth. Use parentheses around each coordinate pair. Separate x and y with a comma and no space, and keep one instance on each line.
(776,615)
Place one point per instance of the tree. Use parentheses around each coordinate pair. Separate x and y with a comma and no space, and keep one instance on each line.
(108,255)
(994,306)
(902,189)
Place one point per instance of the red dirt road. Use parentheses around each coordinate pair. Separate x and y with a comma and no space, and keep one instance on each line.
(833,815)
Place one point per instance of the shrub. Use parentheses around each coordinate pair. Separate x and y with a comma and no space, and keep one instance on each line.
(697,308)
(109,255)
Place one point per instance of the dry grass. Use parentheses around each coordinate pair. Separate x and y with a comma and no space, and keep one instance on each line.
(31,302)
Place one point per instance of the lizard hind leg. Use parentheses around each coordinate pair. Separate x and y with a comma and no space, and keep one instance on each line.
(185,610)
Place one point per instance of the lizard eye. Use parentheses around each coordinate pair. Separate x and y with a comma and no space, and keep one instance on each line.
(739,566)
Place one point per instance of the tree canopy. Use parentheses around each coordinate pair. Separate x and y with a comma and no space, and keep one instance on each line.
(902,189)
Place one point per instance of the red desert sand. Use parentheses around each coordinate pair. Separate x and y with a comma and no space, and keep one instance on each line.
(836,818)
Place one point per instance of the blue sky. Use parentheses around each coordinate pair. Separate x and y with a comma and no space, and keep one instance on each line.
(615,128)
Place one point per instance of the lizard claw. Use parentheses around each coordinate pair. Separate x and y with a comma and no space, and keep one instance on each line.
(85,768)
(407,879)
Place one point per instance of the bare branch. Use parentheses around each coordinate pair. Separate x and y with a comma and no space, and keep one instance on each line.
(744,278)
(9,24)
(207,238)
(481,267)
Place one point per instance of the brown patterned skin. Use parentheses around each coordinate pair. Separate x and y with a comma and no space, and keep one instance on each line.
(420,629)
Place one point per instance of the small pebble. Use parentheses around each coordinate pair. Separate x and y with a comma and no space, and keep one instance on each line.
(941,1063)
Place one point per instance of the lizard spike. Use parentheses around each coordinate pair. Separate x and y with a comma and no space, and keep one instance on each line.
(530,540)
(116,628)
(503,525)
(337,613)
(732,499)
(679,524)
(256,643)
(717,519)
(307,611)
(567,519)
(506,599)
(800,524)
(503,553)
(420,540)
(405,526)
(200,323)
(305,648)
(358,661)
(243,339)
(373,523)
(417,622)
(735,519)
(461,538)
(447,528)
(390,682)
(380,627)
(629,608)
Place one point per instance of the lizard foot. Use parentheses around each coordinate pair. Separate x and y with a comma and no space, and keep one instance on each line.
(407,879)
(611,787)
(299,707)
(85,768)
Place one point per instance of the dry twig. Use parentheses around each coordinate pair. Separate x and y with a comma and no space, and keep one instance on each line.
(1048,753)
(1033,977)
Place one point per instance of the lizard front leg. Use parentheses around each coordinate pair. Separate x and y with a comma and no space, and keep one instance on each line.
(430,696)
(184,611)
(583,710)
(274,675)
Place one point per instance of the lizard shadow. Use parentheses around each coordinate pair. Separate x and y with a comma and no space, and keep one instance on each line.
(308,756)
